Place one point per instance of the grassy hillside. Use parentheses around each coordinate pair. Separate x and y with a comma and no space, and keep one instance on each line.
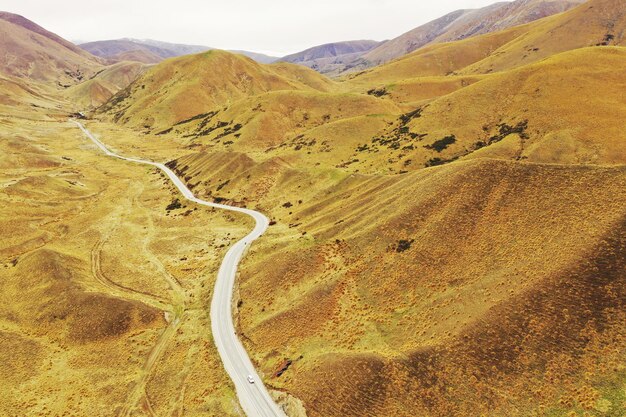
(560,110)
(594,23)
(475,288)
(184,87)
(31,52)
(103,85)
(563,111)
(123,337)
(447,239)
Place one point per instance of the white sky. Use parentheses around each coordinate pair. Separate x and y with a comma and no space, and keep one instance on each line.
(277,27)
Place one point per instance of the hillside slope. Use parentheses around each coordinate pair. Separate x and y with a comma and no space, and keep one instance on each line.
(594,23)
(99,89)
(563,110)
(487,288)
(184,87)
(462,24)
(31,52)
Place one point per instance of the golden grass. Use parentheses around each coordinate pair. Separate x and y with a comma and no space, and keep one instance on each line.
(99,89)
(93,271)
(183,87)
(491,285)
(36,57)
(493,247)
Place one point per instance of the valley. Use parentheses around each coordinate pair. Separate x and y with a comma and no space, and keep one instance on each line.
(441,232)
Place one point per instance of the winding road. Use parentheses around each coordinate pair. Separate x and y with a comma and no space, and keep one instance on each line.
(253,397)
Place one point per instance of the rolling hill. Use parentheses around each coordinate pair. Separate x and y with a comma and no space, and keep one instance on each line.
(563,111)
(448,232)
(33,53)
(187,86)
(100,88)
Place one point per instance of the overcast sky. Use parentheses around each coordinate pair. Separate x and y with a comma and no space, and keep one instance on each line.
(277,27)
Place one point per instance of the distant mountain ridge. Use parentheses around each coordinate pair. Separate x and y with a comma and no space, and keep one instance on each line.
(328,57)
(330,50)
(150,51)
(457,25)
(463,24)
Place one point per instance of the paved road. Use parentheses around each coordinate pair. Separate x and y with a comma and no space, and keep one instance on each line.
(254,398)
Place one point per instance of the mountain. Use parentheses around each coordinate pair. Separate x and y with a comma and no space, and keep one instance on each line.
(424,35)
(186,86)
(258,57)
(332,56)
(595,23)
(457,25)
(100,88)
(466,23)
(31,52)
(150,51)
(143,56)
(117,50)
(330,50)
(447,236)
(172,49)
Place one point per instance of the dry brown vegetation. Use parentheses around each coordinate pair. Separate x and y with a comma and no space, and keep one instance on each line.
(448,231)
(512,280)
(100,283)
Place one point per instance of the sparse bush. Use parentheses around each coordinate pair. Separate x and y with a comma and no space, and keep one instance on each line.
(404,245)
(434,162)
(504,130)
(607,40)
(441,144)
(407,117)
(197,117)
(222,185)
(378,92)
(174,205)
(164,132)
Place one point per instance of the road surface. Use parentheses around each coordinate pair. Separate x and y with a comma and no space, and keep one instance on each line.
(254,398)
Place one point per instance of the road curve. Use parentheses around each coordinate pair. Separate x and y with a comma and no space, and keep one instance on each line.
(254,398)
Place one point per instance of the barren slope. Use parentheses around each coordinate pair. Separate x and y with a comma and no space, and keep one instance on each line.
(31,52)
(463,24)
